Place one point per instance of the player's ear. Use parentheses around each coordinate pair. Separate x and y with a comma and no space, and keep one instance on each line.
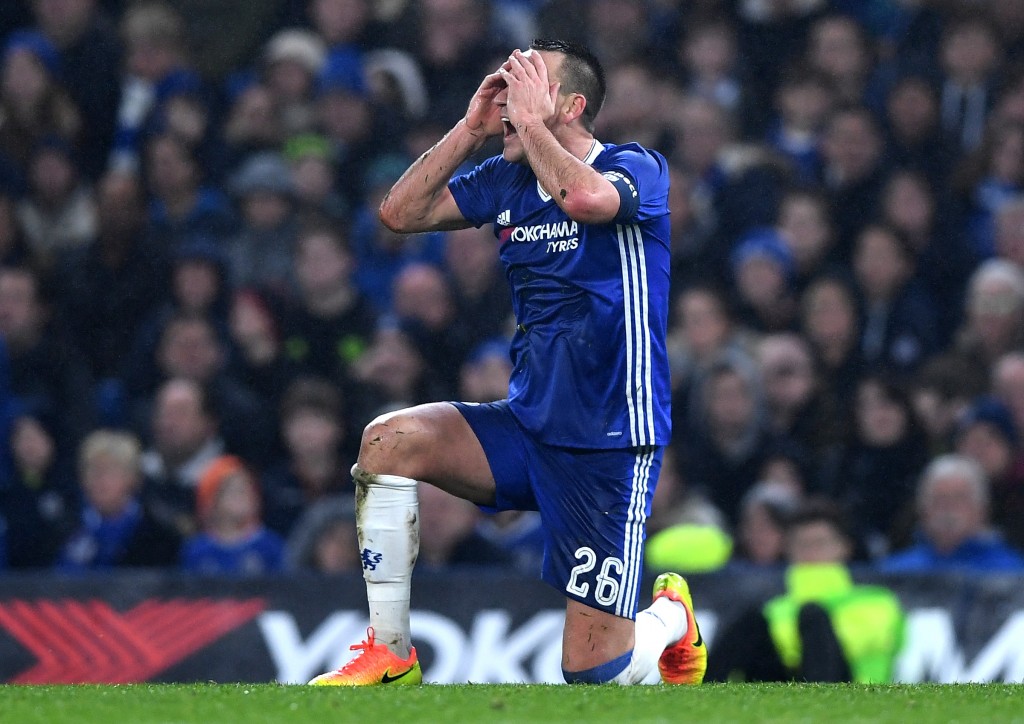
(572,107)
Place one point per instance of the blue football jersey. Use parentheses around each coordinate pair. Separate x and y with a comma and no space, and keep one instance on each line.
(591,301)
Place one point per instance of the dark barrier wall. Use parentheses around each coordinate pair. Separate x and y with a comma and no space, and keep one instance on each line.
(467,627)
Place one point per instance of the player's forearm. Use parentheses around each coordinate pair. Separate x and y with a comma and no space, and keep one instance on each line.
(413,202)
(576,187)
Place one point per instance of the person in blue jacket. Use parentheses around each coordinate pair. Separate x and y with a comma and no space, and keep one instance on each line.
(954,531)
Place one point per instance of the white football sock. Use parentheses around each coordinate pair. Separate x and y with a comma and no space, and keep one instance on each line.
(387,519)
(659,626)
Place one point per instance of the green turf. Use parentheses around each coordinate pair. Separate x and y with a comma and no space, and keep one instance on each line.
(250,704)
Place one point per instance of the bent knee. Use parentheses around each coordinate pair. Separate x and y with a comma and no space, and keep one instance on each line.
(397,443)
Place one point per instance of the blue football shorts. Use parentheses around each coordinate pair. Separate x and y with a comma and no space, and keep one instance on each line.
(593,504)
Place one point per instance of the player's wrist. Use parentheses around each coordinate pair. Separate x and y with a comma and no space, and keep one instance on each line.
(478,133)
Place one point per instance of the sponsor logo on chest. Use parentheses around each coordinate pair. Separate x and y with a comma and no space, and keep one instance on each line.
(557,236)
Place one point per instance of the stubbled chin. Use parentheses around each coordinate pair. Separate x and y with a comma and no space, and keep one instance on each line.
(512,150)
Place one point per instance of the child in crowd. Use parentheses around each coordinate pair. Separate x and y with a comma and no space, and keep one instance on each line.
(233,539)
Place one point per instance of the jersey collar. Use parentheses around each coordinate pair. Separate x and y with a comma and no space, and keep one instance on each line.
(595,150)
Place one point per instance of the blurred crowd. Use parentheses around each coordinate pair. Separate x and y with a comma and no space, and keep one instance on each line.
(199,309)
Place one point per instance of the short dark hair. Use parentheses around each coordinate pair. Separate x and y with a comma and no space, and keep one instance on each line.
(581,73)
(313,394)
(818,509)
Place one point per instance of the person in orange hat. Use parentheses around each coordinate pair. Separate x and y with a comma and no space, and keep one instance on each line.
(232,539)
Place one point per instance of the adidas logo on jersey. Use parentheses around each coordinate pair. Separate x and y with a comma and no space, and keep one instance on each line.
(505,218)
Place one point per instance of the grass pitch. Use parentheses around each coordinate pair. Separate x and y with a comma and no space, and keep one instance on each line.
(215,703)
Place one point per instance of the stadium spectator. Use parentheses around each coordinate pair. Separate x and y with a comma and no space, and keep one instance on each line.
(993,314)
(185,438)
(342,23)
(181,206)
(986,433)
(485,373)
(797,403)
(59,212)
(1007,386)
(703,330)
(805,226)
(41,501)
(13,247)
(191,348)
(232,539)
(155,66)
(33,103)
(710,60)
(942,257)
(259,360)
(316,460)
(198,288)
(381,253)
(312,171)
(914,135)
(324,539)
(853,171)
(46,372)
(814,631)
(940,391)
(423,301)
(831,323)
(117,527)
(722,457)
(876,473)
(348,120)
(692,230)
(761,533)
(454,43)
(987,180)
(953,508)
(740,182)
(969,55)
(449,536)
(763,272)
(899,328)
(478,286)
(392,372)
(330,324)
(111,286)
(261,251)
(292,61)
(90,54)
(252,124)
(802,103)
(638,100)
(1009,231)
(839,48)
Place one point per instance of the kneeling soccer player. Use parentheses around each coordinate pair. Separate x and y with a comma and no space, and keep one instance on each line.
(583,233)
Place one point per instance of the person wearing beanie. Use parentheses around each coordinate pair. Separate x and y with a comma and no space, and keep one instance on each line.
(33,102)
(232,537)
(293,59)
(763,269)
(986,432)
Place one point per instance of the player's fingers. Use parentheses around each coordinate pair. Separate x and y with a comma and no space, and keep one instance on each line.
(492,80)
(525,61)
(516,65)
(539,66)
